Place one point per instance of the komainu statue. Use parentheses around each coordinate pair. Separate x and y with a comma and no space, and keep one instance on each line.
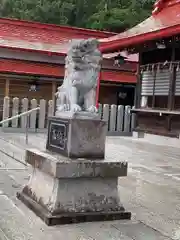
(82,67)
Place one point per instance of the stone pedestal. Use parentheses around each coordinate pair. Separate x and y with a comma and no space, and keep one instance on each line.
(71,182)
(64,191)
(77,136)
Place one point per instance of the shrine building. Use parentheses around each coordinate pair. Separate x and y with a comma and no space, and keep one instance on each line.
(32,62)
(157,40)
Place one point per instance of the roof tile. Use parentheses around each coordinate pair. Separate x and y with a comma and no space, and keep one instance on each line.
(37,36)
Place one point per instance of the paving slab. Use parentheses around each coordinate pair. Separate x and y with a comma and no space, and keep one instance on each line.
(139,231)
(17,223)
(151,191)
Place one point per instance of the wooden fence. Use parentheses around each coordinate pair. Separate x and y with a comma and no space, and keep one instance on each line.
(120,121)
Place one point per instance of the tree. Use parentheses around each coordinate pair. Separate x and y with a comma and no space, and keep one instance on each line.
(113,15)
(47,11)
(121,16)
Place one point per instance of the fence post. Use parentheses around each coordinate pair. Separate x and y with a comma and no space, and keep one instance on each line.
(106,113)
(100,110)
(50,111)
(6,110)
(120,118)
(15,111)
(50,108)
(113,115)
(33,115)
(25,103)
(42,114)
(27,128)
(133,120)
(127,119)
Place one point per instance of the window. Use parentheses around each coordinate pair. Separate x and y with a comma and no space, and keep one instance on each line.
(155,86)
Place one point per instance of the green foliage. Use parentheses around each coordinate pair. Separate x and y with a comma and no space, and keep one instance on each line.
(112,15)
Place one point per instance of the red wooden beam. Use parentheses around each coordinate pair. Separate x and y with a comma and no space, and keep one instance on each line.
(55,70)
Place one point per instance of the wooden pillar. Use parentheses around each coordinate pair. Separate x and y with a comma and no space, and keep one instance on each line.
(137,99)
(154,70)
(172,80)
(172,85)
(137,94)
(7,82)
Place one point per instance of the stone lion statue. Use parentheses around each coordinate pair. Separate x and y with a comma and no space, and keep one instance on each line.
(82,67)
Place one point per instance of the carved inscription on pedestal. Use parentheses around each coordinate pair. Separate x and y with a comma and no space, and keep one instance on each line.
(57,136)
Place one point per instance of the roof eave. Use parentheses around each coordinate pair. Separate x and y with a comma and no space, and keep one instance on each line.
(55,27)
(121,44)
(33,50)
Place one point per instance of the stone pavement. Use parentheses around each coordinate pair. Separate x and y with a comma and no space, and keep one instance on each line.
(151,191)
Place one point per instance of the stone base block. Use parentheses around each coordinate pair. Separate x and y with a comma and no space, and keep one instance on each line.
(70,218)
(61,167)
(77,136)
(61,190)
(138,134)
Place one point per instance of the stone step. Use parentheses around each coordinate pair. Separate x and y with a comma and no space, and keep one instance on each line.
(14,145)
(14,151)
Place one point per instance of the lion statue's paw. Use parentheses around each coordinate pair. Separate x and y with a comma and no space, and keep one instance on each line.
(60,108)
(75,108)
(63,107)
(92,109)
